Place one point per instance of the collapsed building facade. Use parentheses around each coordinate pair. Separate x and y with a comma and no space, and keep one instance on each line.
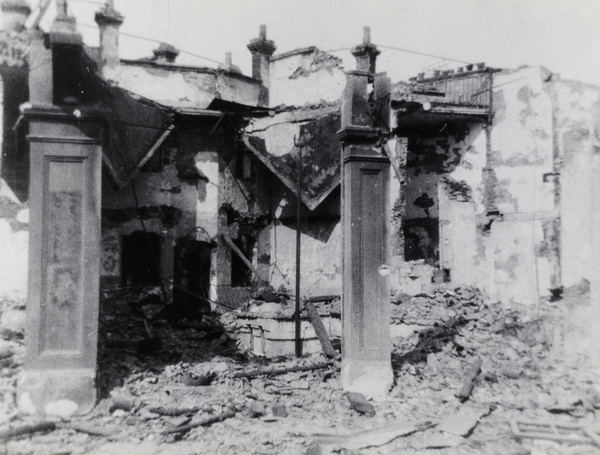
(200,191)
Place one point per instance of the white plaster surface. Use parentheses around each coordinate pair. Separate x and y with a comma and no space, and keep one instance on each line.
(325,84)
(373,379)
(320,261)
(14,246)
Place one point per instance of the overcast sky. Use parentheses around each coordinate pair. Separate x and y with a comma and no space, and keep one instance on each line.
(562,35)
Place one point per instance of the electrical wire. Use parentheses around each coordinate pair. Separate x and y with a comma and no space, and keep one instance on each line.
(394,48)
(152,40)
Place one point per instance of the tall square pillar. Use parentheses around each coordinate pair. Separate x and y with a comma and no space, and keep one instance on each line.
(64,249)
(366,346)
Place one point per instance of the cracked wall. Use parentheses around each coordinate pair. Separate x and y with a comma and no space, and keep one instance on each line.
(304,77)
(437,219)
(577,136)
(514,245)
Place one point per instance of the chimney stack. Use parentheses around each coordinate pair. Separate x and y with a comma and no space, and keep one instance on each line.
(109,21)
(165,53)
(366,53)
(229,66)
(14,13)
(261,49)
(63,30)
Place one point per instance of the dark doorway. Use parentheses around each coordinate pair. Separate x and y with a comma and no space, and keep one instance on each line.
(140,259)
(241,275)
(192,276)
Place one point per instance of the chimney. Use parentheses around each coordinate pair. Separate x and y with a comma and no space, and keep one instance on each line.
(66,45)
(229,66)
(14,13)
(165,53)
(366,53)
(63,30)
(109,21)
(261,49)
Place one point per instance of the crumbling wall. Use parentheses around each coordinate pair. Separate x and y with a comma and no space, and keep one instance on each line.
(304,77)
(515,248)
(184,87)
(320,259)
(178,199)
(577,113)
(443,193)
(458,245)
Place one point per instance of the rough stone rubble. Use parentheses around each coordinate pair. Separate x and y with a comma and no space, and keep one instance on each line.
(159,373)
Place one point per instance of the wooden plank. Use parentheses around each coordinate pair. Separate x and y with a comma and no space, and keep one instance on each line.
(320,330)
(244,259)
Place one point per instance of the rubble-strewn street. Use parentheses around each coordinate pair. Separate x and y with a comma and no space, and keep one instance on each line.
(464,368)
(385,244)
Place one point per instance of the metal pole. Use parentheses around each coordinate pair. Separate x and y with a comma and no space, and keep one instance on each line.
(298,196)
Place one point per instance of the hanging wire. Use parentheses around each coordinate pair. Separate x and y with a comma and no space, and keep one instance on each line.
(152,40)
(408,51)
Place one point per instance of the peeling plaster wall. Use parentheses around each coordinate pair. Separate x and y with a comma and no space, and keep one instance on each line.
(457,237)
(172,207)
(320,259)
(184,87)
(302,78)
(577,114)
(166,87)
(515,249)
(446,230)
(522,147)
(207,202)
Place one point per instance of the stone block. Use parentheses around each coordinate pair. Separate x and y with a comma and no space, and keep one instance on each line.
(371,378)
(59,392)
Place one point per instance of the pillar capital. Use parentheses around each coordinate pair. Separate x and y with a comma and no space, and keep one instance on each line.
(108,15)
(366,53)
(262,45)
(64,28)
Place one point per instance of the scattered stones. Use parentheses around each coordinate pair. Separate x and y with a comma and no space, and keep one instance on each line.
(256,409)
(360,404)
(279,410)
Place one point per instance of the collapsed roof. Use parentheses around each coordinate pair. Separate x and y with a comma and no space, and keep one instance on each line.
(277,141)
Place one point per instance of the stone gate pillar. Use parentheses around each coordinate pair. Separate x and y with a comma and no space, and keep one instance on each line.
(366,363)
(65,145)
(62,305)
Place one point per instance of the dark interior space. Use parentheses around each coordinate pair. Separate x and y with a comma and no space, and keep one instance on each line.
(422,240)
(192,274)
(241,276)
(140,263)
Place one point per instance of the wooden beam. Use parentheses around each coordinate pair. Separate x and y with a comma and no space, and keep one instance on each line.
(244,259)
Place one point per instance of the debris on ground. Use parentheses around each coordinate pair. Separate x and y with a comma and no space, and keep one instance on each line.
(464,368)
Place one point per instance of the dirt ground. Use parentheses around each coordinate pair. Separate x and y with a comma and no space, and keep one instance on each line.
(467,372)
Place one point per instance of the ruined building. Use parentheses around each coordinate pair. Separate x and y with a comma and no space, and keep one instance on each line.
(491,182)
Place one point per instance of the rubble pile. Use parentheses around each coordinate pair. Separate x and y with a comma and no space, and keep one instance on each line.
(467,372)
(457,354)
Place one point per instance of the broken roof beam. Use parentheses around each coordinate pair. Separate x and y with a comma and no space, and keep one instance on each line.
(244,259)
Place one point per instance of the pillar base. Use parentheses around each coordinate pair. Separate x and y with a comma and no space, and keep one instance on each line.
(372,378)
(60,393)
